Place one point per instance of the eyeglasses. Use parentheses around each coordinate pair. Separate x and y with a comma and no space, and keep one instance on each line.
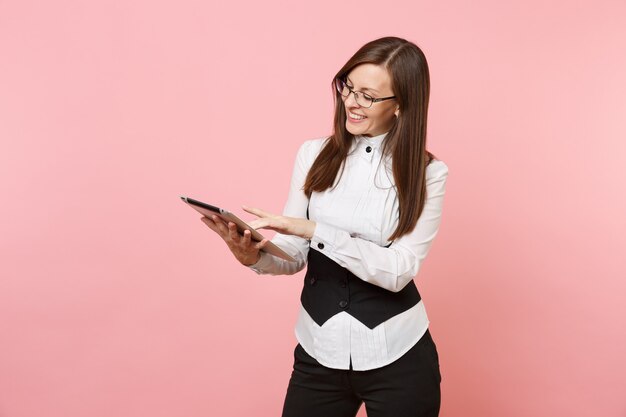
(362,99)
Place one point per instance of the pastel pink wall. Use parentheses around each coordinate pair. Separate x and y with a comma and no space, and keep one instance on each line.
(116,300)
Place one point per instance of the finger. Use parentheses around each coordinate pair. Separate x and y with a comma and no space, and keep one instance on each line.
(211,224)
(259,223)
(223,230)
(232,231)
(261,244)
(247,236)
(257,211)
(218,220)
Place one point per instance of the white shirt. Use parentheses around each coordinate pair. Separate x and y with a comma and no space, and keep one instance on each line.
(353,221)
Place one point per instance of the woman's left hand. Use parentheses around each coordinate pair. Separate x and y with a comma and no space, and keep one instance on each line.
(281,224)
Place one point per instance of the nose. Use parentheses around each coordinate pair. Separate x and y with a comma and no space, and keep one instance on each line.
(350,101)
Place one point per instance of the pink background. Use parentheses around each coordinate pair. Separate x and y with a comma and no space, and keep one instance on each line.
(116,300)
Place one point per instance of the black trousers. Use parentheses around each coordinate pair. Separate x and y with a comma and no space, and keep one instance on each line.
(407,387)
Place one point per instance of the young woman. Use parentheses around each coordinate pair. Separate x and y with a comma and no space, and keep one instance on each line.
(363,209)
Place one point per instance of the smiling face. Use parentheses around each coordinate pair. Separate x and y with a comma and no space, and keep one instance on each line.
(373,80)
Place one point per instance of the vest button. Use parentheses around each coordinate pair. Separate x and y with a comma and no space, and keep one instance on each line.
(320,245)
(368,149)
(343,283)
(312,280)
(343,303)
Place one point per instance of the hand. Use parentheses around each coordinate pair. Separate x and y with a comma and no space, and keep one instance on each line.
(282,224)
(241,246)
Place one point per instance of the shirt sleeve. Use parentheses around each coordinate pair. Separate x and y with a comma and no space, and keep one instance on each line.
(296,206)
(390,267)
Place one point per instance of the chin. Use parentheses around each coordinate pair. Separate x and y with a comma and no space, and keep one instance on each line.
(356,130)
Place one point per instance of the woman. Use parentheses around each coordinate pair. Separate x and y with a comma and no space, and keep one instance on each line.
(363,209)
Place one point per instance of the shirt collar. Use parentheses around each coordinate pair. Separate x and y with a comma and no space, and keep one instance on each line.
(362,142)
(368,148)
(373,141)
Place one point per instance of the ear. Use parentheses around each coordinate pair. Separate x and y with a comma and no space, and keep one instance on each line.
(397,112)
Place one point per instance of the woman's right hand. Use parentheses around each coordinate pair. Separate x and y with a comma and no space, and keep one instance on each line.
(245,251)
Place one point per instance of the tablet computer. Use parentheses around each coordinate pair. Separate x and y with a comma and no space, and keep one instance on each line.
(208,210)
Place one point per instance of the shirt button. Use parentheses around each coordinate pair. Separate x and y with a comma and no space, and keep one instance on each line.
(320,245)
(343,303)
(312,280)
(368,149)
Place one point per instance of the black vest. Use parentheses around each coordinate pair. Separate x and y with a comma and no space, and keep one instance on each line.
(330,289)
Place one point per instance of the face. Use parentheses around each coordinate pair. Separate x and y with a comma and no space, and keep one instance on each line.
(379,118)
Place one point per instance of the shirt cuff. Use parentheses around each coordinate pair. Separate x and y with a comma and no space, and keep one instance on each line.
(324,237)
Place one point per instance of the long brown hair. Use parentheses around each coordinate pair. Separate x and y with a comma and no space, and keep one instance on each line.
(405,142)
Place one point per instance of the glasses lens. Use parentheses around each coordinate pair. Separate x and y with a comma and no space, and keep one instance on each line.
(364,100)
(341,87)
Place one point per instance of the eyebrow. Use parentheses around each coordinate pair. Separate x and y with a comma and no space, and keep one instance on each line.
(364,88)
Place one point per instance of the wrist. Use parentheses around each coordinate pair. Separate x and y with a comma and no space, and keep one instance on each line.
(258,257)
(311,230)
